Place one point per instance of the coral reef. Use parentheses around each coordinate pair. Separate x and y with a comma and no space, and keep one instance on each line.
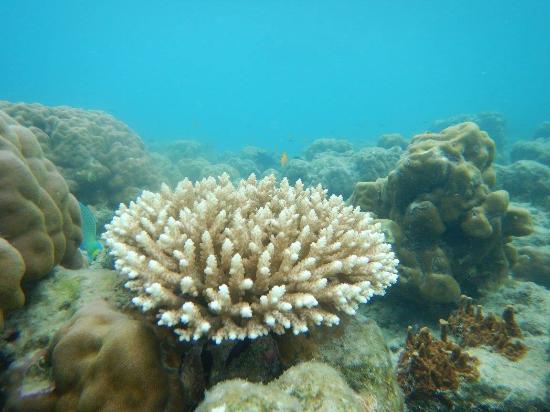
(327,145)
(333,173)
(542,130)
(370,163)
(451,231)
(178,149)
(428,365)
(339,170)
(308,387)
(537,150)
(389,140)
(261,158)
(103,360)
(39,218)
(232,262)
(533,263)
(102,160)
(472,329)
(525,180)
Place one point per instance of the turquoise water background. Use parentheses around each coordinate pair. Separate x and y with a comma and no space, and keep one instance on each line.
(279,74)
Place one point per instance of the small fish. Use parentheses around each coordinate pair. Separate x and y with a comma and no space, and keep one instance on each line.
(284,159)
(89,244)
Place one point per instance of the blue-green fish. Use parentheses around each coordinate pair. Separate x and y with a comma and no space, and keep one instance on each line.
(89,244)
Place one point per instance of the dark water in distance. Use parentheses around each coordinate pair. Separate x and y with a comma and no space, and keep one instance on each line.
(280,73)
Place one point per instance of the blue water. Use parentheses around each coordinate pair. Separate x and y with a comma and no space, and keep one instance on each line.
(280,73)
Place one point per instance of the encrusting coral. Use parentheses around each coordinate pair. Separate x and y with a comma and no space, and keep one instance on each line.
(472,328)
(229,262)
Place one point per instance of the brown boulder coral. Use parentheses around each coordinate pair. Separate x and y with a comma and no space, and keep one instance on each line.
(453,232)
(39,218)
(102,360)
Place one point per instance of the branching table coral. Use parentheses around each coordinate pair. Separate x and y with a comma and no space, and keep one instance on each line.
(229,262)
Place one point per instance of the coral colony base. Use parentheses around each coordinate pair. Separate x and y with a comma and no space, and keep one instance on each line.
(229,262)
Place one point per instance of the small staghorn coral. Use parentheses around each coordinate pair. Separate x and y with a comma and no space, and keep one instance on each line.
(428,365)
(229,262)
(473,329)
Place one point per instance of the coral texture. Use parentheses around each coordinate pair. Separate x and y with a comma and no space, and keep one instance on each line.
(13,267)
(334,165)
(102,160)
(39,218)
(307,387)
(526,181)
(537,150)
(357,349)
(227,262)
(451,232)
(534,264)
(389,140)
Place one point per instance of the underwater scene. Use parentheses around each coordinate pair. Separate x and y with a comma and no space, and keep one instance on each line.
(321,206)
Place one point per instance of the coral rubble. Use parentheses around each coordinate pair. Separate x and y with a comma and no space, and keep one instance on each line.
(230,262)
(39,218)
(452,232)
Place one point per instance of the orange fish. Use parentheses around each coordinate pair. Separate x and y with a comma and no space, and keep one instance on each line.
(284,159)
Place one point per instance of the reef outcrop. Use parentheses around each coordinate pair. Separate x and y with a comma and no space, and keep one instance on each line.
(39,218)
(102,159)
(451,232)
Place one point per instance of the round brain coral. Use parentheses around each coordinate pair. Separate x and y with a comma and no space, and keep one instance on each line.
(230,262)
